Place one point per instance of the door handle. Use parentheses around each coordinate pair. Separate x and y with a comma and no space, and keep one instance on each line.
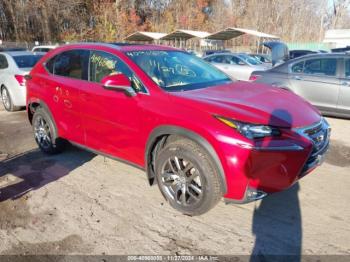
(298,78)
(67,103)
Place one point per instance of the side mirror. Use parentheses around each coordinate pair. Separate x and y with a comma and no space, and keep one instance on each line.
(118,82)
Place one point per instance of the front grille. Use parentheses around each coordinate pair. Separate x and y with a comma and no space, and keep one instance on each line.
(319,135)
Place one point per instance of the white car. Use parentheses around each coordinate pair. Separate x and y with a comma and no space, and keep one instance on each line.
(237,66)
(43,48)
(14,65)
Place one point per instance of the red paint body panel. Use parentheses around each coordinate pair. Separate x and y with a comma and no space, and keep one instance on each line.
(118,125)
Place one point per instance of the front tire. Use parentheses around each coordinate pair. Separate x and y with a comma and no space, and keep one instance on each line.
(7,101)
(45,133)
(187,177)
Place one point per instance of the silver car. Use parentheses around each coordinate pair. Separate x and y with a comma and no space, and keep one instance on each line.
(238,66)
(322,79)
(14,65)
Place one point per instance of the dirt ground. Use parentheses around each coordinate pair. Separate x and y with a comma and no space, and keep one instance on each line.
(81,203)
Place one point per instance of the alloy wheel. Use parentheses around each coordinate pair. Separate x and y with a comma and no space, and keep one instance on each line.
(6,98)
(42,132)
(182,181)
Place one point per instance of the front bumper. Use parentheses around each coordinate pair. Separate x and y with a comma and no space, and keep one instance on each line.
(276,165)
(250,195)
(319,134)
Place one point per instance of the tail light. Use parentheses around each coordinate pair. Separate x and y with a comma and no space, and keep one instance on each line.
(20,79)
(254,77)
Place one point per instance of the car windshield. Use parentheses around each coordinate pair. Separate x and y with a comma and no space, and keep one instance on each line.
(25,61)
(250,60)
(178,71)
(262,58)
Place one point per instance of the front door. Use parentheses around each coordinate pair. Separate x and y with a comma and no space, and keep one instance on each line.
(317,81)
(112,120)
(344,93)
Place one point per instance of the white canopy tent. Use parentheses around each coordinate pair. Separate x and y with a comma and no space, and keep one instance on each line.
(233,32)
(145,36)
(180,36)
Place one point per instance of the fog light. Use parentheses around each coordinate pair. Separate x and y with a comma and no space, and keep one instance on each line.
(254,194)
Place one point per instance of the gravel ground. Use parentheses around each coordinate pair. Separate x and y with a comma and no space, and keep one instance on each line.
(81,203)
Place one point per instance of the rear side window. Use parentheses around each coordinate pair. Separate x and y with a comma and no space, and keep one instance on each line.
(3,62)
(298,67)
(347,68)
(49,64)
(26,61)
(103,64)
(71,64)
(321,66)
(44,50)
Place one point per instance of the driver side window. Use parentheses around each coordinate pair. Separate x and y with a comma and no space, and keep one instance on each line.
(347,68)
(102,64)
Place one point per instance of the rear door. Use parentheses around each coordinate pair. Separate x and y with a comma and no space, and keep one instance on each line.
(316,79)
(344,93)
(69,75)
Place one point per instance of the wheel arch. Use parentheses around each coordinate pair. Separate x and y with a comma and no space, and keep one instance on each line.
(33,105)
(158,138)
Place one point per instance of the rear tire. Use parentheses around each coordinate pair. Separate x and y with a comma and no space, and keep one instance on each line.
(7,101)
(187,177)
(45,133)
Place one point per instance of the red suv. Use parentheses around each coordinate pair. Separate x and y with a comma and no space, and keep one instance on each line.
(197,133)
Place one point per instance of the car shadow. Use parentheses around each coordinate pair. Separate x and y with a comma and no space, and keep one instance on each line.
(277,227)
(277,222)
(33,169)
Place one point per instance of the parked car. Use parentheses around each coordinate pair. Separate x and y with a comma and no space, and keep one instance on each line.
(341,49)
(194,52)
(43,48)
(211,52)
(198,134)
(322,79)
(8,49)
(298,53)
(14,65)
(238,66)
(264,58)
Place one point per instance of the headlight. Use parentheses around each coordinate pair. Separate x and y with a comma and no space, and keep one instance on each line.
(250,131)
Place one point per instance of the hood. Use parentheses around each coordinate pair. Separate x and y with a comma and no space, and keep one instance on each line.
(279,51)
(254,103)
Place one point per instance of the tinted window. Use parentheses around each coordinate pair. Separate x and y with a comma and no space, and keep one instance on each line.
(223,59)
(103,64)
(3,62)
(218,59)
(298,67)
(250,60)
(178,71)
(321,66)
(26,61)
(72,64)
(43,49)
(347,68)
(49,64)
